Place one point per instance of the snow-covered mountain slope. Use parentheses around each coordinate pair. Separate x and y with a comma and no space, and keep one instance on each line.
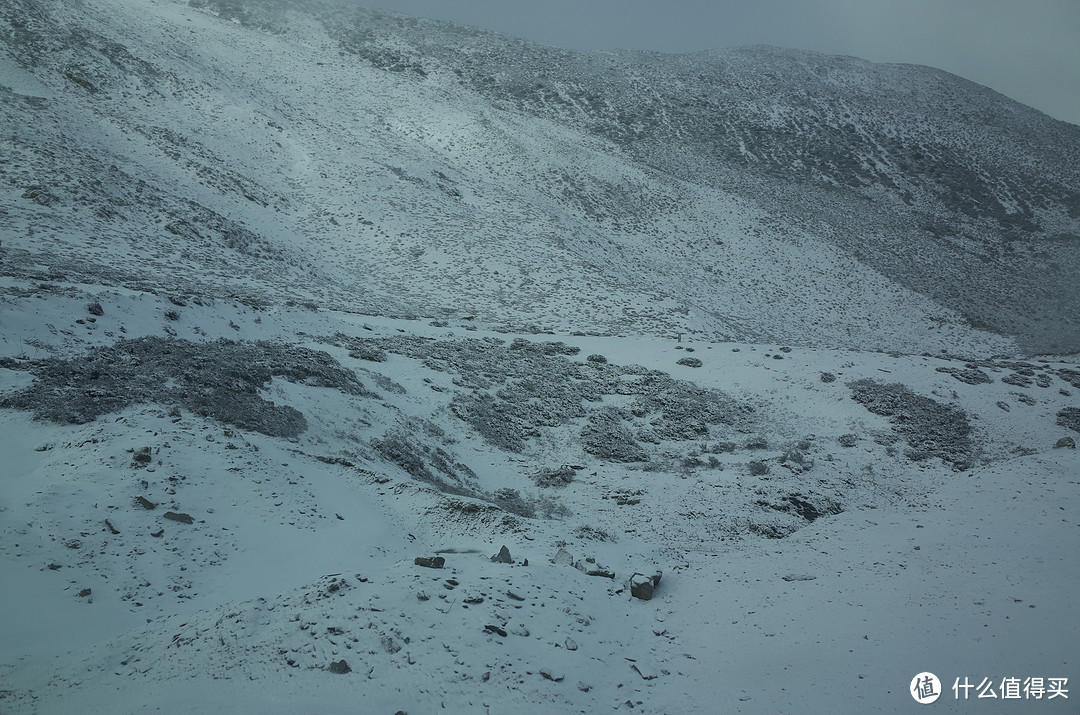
(395,166)
(297,297)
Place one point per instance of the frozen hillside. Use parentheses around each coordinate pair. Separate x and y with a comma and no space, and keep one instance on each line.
(320,152)
(352,362)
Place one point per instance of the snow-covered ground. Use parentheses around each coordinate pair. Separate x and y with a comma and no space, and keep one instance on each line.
(301,550)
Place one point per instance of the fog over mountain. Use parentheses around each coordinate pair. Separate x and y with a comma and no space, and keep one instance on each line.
(1027,52)
(760,363)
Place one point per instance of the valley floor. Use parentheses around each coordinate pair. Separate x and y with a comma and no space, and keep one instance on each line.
(299,558)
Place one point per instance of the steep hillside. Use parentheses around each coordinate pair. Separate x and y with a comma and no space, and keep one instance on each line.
(397,166)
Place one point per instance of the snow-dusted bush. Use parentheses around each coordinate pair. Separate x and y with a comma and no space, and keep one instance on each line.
(930,428)
(606,437)
(220,380)
(511,500)
(559,477)
(425,463)
(510,393)
(1069,417)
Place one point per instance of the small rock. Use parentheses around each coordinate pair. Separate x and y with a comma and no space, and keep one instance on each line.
(828,377)
(563,558)
(583,686)
(503,557)
(95,309)
(431,562)
(689,362)
(85,592)
(182,518)
(641,587)
(496,630)
(157,534)
(972,375)
(340,667)
(646,671)
(570,644)
(112,529)
(1065,442)
(551,674)
(145,503)
(847,440)
(591,568)
(801,577)
(758,467)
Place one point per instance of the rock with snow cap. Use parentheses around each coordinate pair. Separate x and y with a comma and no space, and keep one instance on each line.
(642,586)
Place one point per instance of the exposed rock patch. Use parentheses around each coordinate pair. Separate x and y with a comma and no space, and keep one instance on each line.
(219,379)
(1069,417)
(930,428)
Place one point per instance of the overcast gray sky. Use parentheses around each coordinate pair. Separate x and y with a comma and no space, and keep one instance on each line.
(1026,49)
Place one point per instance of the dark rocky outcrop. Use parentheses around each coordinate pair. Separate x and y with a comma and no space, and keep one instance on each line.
(219,379)
(431,562)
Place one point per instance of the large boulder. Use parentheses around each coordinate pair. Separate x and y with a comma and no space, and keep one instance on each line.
(643,587)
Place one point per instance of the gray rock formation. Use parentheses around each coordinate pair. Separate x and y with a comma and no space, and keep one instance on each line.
(644,586)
